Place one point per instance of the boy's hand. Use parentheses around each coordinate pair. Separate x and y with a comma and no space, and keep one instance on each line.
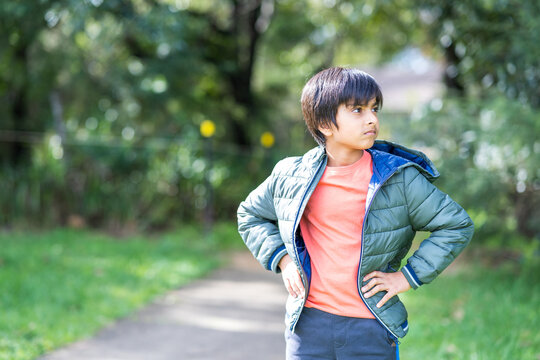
(393,283)
(291,277)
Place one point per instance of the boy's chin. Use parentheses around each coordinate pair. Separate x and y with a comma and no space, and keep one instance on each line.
(368,144)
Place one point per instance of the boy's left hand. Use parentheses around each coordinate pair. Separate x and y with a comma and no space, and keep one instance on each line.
(393,283)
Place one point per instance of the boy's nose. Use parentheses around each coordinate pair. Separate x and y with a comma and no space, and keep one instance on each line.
(372,118)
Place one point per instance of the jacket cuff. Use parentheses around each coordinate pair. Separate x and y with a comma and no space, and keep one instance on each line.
(411,277)
(276,258)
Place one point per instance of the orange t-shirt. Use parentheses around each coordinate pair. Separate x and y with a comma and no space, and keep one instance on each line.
(332,230)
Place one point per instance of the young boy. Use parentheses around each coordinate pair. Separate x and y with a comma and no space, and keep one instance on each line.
(337,222)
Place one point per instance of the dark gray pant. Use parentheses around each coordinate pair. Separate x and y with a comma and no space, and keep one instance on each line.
(320,335)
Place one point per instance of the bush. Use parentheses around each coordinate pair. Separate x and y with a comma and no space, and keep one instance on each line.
(488,153)
(132,185)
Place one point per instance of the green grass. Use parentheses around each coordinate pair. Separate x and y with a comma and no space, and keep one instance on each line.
(63,285)
(477,313)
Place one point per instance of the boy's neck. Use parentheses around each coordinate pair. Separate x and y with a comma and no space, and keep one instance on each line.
(343,158)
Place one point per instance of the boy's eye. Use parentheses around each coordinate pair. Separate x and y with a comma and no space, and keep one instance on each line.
(359,109)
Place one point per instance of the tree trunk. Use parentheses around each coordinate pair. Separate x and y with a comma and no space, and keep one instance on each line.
(451,80)
(245,38)
(234,50)
(19,153)
(527,212)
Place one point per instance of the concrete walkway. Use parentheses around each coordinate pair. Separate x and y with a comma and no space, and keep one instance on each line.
(235,313)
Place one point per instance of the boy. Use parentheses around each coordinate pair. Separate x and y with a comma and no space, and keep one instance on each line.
(337,222)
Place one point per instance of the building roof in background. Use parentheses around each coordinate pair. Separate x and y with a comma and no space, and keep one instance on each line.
(408,81)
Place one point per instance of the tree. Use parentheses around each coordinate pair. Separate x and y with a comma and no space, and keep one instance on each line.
(20,26)
(486,124)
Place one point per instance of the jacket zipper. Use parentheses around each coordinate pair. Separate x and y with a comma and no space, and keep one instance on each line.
(362,255)
(296,223)
(306,290)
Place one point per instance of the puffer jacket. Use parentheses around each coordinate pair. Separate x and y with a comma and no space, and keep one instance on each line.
(400,201)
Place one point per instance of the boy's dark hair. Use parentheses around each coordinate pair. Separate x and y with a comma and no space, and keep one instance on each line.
(328,89)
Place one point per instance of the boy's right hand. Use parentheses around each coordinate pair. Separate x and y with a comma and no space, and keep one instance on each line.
(291,277)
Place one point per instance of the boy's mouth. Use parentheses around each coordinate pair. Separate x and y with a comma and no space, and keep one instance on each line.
(370,132)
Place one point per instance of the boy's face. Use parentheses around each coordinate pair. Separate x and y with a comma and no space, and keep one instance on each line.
(358,127)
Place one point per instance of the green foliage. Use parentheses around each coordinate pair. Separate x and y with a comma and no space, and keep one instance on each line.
(488,44)
(132,82)
(63,285)
(117,186)
(102,100)
(482,133)
(487,152)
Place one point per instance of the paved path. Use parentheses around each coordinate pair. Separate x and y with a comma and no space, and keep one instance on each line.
(234,314)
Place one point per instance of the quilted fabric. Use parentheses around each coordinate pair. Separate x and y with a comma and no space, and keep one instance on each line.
(401,200)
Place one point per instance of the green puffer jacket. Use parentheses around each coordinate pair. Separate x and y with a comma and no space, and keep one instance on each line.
(400,201)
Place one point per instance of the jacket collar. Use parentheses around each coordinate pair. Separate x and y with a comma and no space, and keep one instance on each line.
(387,156)
(313,157)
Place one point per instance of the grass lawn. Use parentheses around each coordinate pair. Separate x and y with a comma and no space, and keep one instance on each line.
(62,285)
(476,312)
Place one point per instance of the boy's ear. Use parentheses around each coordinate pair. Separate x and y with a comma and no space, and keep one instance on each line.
(325,131)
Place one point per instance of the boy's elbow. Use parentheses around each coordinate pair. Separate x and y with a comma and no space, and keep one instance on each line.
(243,215)
(471,230)
(241,211)
(468,230)
(245,210)
(463,231)
(470,224)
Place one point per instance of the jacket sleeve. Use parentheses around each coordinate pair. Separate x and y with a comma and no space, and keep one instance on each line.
(257,225)
(451,228)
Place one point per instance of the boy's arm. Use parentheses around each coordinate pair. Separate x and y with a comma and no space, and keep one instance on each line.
(451,228)
(257,225)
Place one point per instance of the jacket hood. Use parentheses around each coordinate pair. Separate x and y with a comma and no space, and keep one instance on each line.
(387,157)
(392,156)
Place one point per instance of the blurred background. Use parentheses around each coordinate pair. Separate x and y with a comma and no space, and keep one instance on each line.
(102,102)
(146,116)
